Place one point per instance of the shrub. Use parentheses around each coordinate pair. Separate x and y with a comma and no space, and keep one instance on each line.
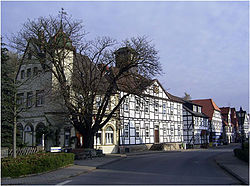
(242,154)
(246,146)
(34,163)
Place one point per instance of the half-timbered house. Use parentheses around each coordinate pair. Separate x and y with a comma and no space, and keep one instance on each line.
(215,120)
(227,124)
(195,125)
(150,119)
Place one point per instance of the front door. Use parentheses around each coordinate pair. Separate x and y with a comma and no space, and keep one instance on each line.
(157,134)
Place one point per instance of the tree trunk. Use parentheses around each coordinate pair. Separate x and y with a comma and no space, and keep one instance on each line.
(88,140)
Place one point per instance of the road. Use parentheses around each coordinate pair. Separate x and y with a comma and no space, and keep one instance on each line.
(189,167)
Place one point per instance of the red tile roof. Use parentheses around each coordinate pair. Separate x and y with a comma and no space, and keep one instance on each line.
(224,110)
(208,106)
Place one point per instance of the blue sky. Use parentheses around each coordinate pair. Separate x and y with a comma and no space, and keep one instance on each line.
(203,46)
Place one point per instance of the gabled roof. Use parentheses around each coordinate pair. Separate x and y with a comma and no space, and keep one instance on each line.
(225,110)
(208,106)
(175,98)
(195,113)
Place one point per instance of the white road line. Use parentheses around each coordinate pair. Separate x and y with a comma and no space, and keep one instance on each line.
(65,182)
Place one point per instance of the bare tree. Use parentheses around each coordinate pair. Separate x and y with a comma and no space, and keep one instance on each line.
(90,75)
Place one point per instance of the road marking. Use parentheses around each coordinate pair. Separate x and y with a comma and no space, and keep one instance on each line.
(65,182)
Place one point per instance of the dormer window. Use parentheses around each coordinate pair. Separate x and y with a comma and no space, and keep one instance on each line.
(35,71)
(22,74)
(28,72)
(29,55)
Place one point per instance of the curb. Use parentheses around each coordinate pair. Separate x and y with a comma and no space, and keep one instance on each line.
(243,181)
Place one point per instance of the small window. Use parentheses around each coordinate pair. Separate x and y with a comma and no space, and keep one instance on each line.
(28,72)
(137,133)
(98,102)
(126,126)
(35,71)
(29,55)
(67,137)
(22,74)
(126,134)
(156,107)
(29,99)
(20,99)
(39,98)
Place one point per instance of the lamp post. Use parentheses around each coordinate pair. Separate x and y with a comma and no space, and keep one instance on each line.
(241,119)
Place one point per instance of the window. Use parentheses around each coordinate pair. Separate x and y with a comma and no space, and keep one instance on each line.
(137,106)
(20,99)
(22,74)
(39,98)
(29,55)
(99,138)
(109,135)
(35,71)
(29,99)
(126,104)
(126,126)
(137,132)
(147,131)
(66,137)
(164,108)
(171,108)
(28,72)
(146,106)
(199,109)
(156,107)
(98,102)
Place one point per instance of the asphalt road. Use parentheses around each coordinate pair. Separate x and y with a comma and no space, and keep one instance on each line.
(190,167)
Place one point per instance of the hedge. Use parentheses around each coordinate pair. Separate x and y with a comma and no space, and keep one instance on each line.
(242,154)
(34,163)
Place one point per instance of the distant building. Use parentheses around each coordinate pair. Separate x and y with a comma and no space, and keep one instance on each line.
(227,124)
(243,121)
(215,120)
(235,124)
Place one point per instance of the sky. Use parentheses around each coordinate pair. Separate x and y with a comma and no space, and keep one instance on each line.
(203,46)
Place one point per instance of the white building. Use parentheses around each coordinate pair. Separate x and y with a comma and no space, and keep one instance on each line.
(215,120)
(151,119)
(195,125)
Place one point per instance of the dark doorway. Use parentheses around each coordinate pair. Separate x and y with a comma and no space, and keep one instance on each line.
(157,134)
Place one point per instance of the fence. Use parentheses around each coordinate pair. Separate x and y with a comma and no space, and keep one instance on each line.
(21,151)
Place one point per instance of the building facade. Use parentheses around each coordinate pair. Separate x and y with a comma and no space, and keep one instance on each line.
(195,125)
(215,120)
(227,125)
(243,121)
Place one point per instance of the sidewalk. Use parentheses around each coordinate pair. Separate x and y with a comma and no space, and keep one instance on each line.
(237,168)
(79,167)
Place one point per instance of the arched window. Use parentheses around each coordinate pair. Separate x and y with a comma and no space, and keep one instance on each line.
(67,136)
(20,132)
(28,135)
(40,132)
(109,135)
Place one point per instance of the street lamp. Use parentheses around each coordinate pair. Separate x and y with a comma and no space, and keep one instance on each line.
(241,119)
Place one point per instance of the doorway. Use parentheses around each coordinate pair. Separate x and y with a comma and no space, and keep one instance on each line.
(156,134)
